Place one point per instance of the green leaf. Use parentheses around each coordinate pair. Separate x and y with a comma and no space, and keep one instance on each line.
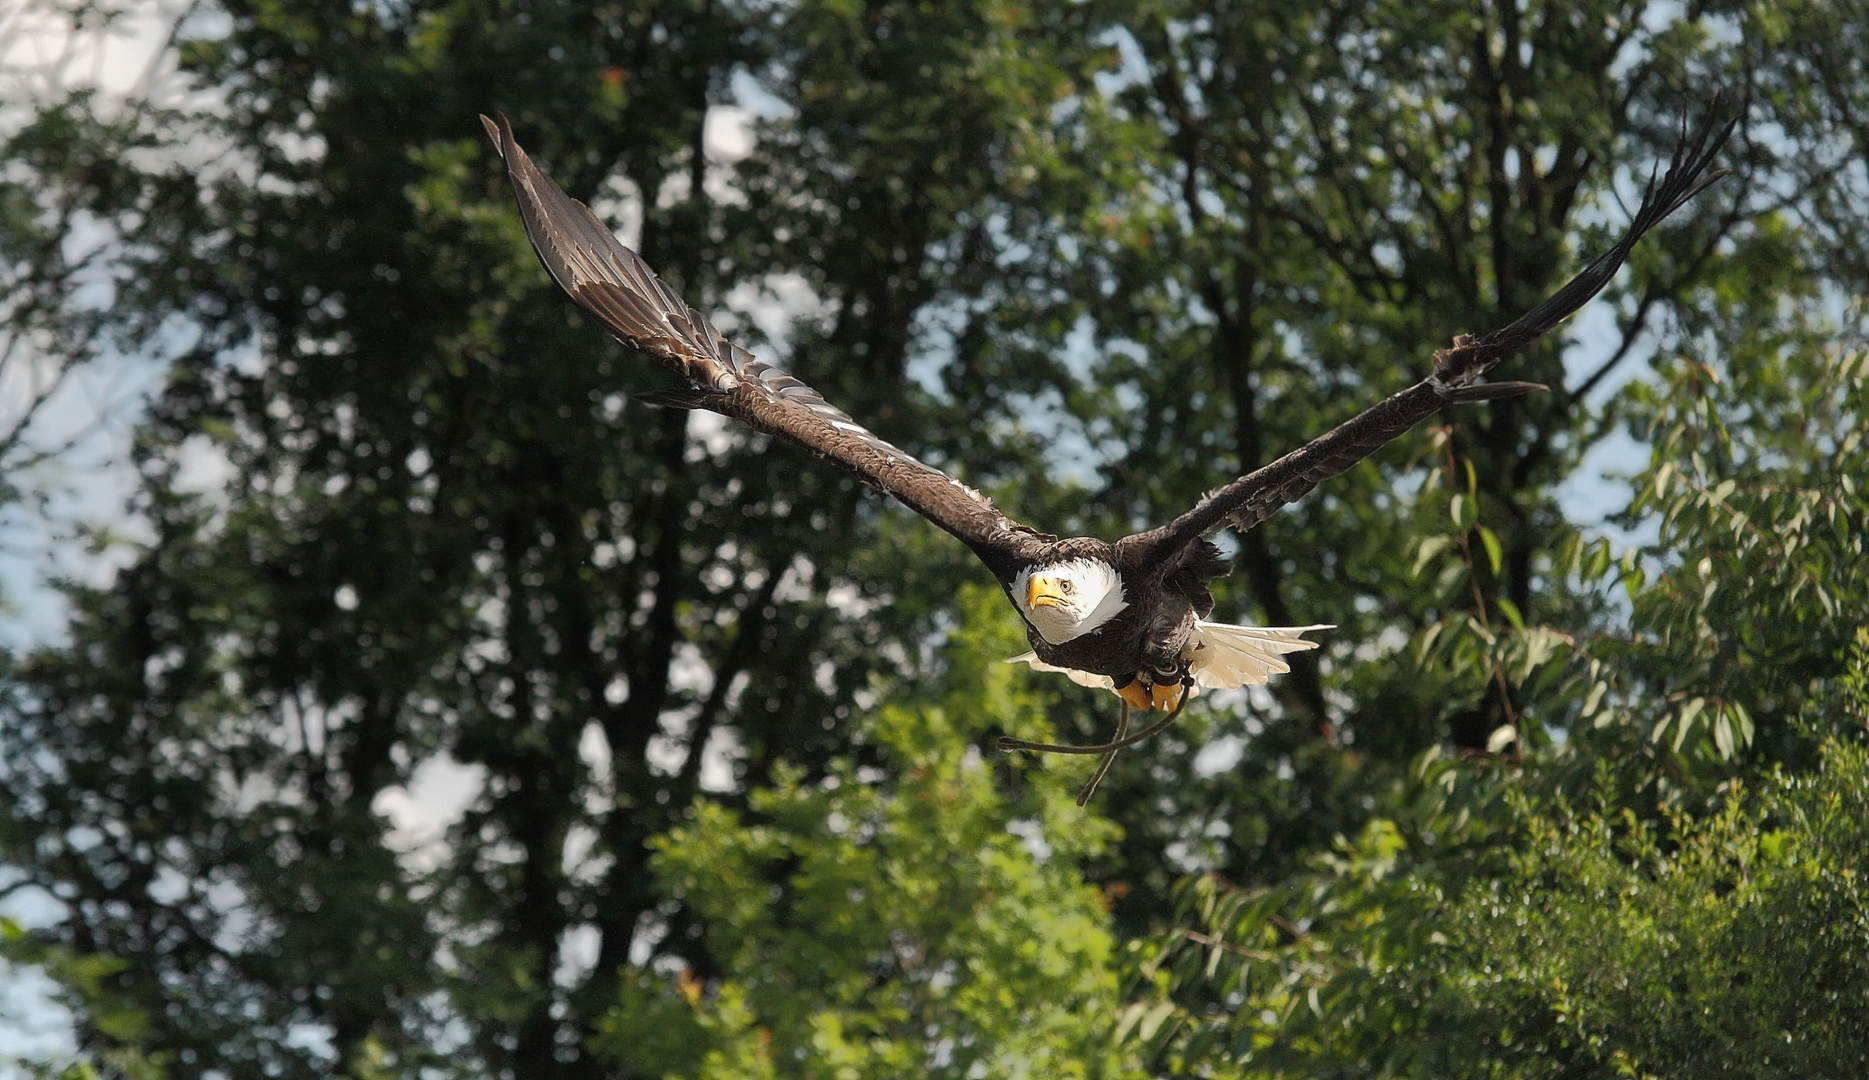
(1494,552)
(1511,611)
(1684,720)
(1153,1019)
(1430,547)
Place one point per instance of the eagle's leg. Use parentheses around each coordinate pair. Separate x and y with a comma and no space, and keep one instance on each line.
(1164,695)
(1103,766)
(1136,695)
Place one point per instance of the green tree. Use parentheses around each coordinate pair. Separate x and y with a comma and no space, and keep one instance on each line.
(1323,198)
(1642,899)
(1095,258)
(447,534)
(932,921)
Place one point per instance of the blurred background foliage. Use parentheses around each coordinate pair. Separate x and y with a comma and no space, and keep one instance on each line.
(1575,787)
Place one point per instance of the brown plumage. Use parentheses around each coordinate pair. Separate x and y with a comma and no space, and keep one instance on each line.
(1148,633)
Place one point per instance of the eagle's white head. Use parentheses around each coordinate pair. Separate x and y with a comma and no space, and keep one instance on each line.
(1068,599)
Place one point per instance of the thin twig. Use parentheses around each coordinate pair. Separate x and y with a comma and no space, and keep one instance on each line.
(1213,942)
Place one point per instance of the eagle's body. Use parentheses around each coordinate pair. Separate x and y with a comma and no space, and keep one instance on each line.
(1080,620)
(1141,627)
(1149,632)
(1132,615)
(1145,638)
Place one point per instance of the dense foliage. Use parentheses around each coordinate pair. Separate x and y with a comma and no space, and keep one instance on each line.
(1556,798)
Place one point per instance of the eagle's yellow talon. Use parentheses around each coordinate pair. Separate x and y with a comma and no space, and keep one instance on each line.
(1137,695)
(1165,695)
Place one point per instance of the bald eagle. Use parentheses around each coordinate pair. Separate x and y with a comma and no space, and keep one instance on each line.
(1131,615)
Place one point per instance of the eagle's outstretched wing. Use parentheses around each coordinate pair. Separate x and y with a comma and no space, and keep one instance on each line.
(1251,499)
(615,286)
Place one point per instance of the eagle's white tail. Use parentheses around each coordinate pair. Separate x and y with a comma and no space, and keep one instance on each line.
(1222,655)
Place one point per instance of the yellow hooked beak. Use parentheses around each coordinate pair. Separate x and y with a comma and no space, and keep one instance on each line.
(1045,590)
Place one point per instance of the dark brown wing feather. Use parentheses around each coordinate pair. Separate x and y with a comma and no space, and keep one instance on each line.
(616,287)
(1250,500)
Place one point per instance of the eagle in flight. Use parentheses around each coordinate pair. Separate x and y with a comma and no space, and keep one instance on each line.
(1130,615)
